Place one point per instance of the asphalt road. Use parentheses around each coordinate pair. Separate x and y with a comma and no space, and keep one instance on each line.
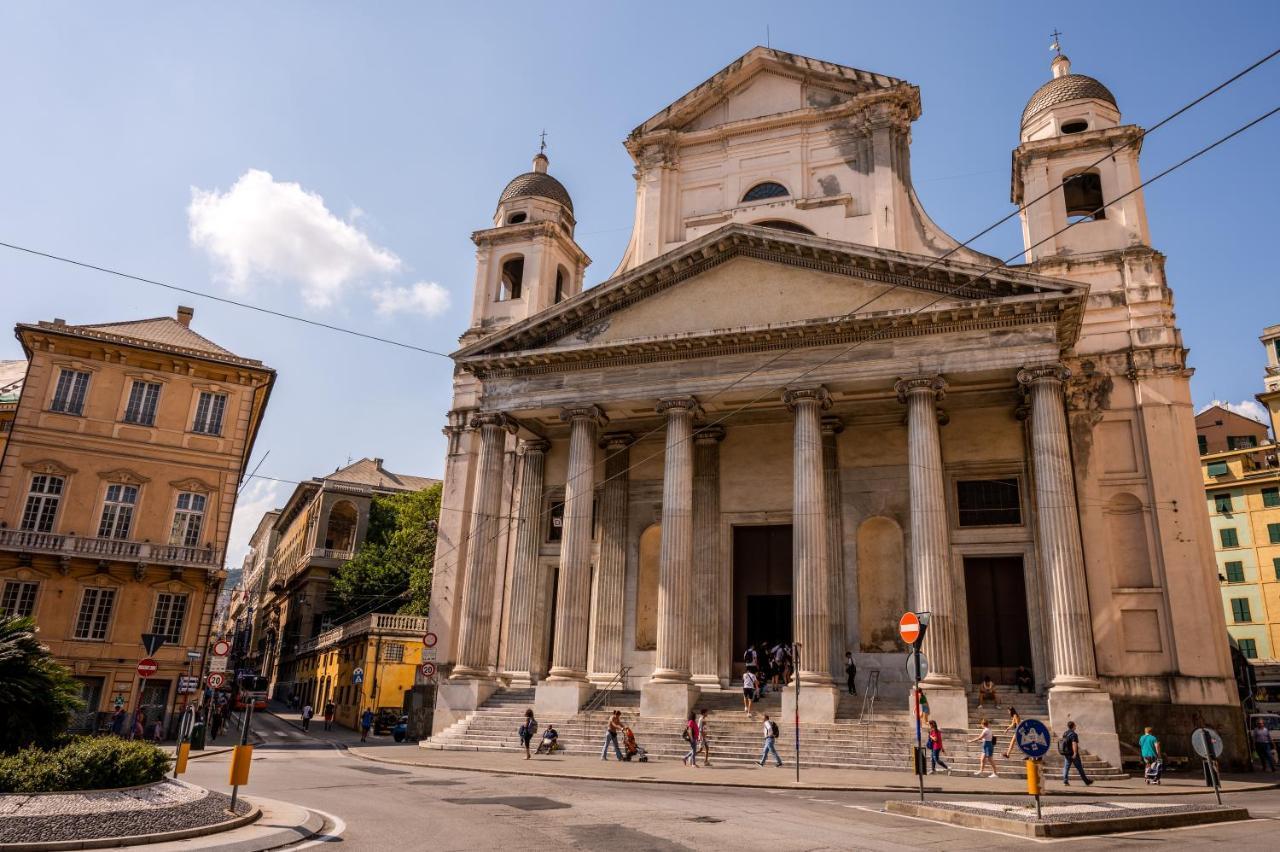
(384,808)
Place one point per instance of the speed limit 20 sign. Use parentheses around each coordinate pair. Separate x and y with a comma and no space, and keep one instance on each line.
(428,669)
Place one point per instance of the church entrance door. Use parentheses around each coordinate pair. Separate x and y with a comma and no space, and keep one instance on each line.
(761,588)
(999,634)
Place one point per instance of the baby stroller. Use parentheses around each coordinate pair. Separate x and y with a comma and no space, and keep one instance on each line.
(1154,769)
(632,748)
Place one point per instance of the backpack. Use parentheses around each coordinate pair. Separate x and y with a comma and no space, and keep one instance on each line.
(1064,745)
(773,729)
(684,735)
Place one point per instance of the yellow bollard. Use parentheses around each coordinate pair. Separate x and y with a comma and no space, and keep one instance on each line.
(180,763)
(241,757)
(1033,777)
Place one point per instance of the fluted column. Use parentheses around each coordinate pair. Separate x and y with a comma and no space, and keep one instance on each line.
(1058,531)
(831,428)
(930,547)
(611,566)
(522,606)
(809,536)
(707,563)
(573,589)
(675,565)
(482,554)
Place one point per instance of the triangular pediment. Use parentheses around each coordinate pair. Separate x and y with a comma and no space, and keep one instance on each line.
(743,282)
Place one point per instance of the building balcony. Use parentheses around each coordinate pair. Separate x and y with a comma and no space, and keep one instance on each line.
(92,547)
(379,624)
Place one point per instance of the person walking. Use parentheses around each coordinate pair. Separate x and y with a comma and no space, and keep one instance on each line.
(923,701)
(850,672)
(611,736)
(691,737)
(1070,749)
(749,682)
(770,742)
(1014,721)
(936,750)
(527,732)
(1149,746)
(117,721)
(704,741)
(988,741)
(366,724)
(307,712)
(330,709)
(1262,745)
(751,659)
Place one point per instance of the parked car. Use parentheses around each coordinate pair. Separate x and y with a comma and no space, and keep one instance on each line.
(401,729)
(385,720)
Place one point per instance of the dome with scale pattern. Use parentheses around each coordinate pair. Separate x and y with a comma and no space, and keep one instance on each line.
(1068,87)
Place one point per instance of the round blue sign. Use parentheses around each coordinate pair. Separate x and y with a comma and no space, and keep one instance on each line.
(1033,738)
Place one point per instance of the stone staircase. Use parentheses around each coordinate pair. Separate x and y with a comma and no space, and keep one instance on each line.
(881,741)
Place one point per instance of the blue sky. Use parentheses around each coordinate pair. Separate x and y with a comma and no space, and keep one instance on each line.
(169,140)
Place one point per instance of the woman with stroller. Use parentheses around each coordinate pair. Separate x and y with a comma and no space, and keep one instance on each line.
(1152,756)
(631,747)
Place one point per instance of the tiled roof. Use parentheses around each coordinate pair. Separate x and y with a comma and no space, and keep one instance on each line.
(371,472)
(539,184)
(157,332)
(1070,87)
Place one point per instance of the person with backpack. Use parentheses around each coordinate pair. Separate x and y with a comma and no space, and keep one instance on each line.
(307,713)
(329,710)
(850,672)
(704,742)
(770,741)
(749,683)
(611,736)
(366,723)
(936,750)
(751,659)
(690,735)
(1069,747)
(527,731)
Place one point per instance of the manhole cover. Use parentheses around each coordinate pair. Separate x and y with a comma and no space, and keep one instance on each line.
(377,770)
(704,819)
(523,803)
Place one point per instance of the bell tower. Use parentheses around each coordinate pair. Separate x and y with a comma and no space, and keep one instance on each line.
(528,261)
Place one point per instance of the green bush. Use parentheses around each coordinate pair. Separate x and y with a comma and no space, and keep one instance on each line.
(84,763)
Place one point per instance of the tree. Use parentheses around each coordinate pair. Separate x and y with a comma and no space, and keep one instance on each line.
(37,695)
(392,567)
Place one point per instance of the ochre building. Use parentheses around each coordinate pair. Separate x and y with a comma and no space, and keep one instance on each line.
(798,408)
(117,486)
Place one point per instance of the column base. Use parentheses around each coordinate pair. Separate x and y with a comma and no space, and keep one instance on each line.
(458,696)
(667,699)
(519,680)
(560,699)
(817,704)
(948,706)
(707,681)
(1095,719)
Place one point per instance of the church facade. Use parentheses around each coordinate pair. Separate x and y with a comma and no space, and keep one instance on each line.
(798,408)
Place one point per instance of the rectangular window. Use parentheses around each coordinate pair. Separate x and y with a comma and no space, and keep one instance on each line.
(1222,504)
(42,503)
(69,393)
(1235,572)
(1249,648)
(1273,533)
(18,599)
(1271,496)
(143,399)
(188,517)
(1202,444)
(209,411)
(393,652)
(117,511)
(555,529)
(988,502)
(170,610)
(95,614)
(1275,566)
(1218,469)
(1240,610)
(1241,442)
(1229,537)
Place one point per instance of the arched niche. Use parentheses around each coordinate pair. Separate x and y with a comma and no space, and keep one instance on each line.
(340,534)
(1127,537)
(882,584)
(647,588)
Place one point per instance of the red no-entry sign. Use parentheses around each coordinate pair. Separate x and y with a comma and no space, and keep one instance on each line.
(147,667)
(909,628)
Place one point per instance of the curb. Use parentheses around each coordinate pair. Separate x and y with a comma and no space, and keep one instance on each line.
(907,786)
(1064,829)
(138,839)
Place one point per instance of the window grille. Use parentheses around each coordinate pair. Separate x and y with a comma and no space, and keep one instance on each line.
(69,393)
(143,399)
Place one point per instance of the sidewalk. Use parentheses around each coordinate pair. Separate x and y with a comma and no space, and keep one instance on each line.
(338,736)
(736,775)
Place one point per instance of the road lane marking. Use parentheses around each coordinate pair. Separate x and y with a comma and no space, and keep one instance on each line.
(334,835)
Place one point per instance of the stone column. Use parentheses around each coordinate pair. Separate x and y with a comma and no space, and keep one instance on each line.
(474,657)
(831,428)
(566,686)
(809,525)
(609,601)
(708,565)
(931,549)
(670,692)
(521,623)
(1075,693)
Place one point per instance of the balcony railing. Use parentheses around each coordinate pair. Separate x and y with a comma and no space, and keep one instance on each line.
(330,553)
(93,547)
(383,623)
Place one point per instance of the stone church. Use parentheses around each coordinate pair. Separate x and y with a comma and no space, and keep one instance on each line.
(798,408)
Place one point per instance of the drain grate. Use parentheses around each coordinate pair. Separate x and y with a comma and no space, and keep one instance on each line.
(523,803)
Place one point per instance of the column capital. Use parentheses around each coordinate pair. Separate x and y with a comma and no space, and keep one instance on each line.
(494,418)
(915,384)
(534,445)
(1029,376)
(792,397)
(832,425)
(678,403)
(712,434)
(617,440)
(584,412)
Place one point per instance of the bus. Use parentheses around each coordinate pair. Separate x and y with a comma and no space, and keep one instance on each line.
(249,688)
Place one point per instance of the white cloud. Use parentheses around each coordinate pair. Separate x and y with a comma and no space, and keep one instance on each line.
(1247,408)
(264,229)
(425,297)
(258,497)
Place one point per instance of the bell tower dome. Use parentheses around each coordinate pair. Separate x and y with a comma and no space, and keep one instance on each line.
(528,261)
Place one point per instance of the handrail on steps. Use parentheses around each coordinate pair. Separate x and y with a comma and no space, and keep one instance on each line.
(869,695)
(605,693)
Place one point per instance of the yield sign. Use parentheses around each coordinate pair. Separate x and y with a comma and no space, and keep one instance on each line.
(909,628)
(152,642)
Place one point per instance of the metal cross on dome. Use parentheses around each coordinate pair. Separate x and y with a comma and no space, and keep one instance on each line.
(1057,41)
(542,149)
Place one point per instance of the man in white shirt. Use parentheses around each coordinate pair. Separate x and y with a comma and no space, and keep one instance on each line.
(748,690)
(770,737)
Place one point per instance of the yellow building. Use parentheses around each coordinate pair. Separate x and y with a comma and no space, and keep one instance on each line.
(385,649)
(117,485)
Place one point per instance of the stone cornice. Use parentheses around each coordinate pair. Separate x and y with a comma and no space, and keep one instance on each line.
(1123,136)
(530,231)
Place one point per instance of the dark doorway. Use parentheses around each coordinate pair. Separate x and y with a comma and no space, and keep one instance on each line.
(761,587)
(999,631)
